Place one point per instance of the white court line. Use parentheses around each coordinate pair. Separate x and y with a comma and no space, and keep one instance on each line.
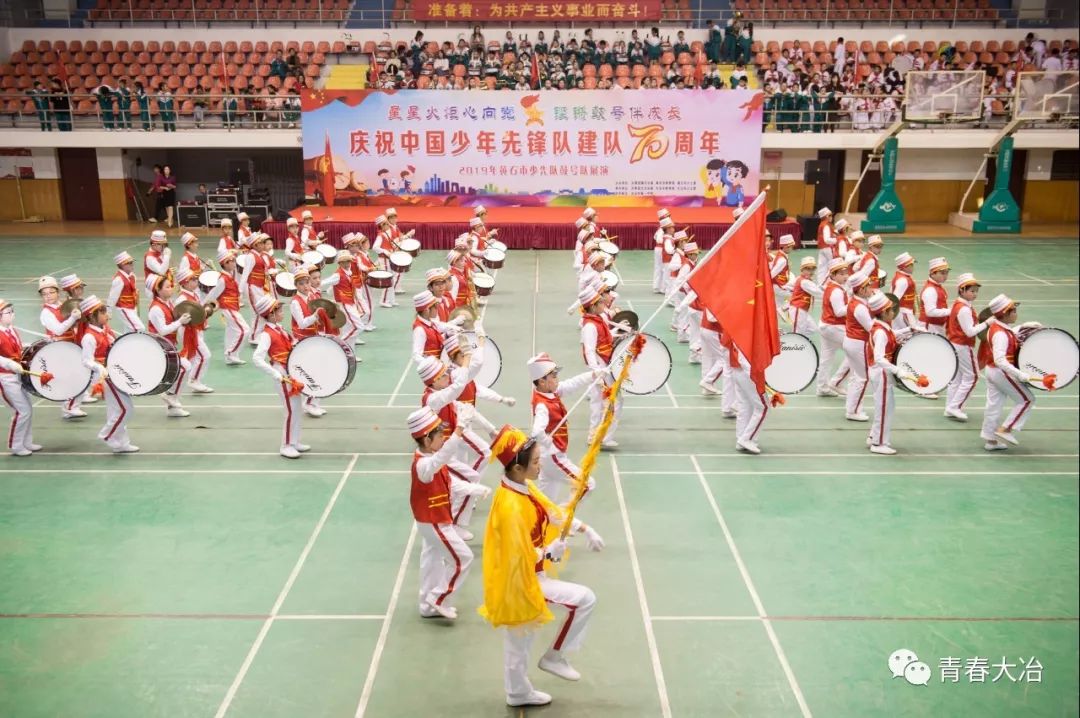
(753,593)
(865,472)
(380,644)
(671,395)
(654,654)
(196,405)
(331,617)
(1037,279)
(231,693)
(706,618)
(397,388)
(947,248)
(194,473)
(230,453)
(980,455)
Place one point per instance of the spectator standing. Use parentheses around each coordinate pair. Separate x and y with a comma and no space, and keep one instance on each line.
(143,100)
(40,97)
(166,108)
(123,105)
(165,188)
(61,106)
(104,96)
(278,67)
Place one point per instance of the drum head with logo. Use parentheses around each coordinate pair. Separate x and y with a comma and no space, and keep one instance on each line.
(492,368)
(325,365)
(142,364)
(1050,351)
(649,372)
(794,368)
(929,355)
(64,361)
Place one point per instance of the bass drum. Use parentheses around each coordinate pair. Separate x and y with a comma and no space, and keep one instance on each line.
(326,365)
(929,355)
(1049,351)
(492,368)
(795,367)
(649,372)
(64,361)
(142,364)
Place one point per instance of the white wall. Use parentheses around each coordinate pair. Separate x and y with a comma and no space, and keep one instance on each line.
(45,163)
(110,163)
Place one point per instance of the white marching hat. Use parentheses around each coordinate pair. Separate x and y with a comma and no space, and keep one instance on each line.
(857,235)
(436,274)
(690,248)
(680,235)
(225,255)
(590,295)
(786,240)
(1001,304)
(226,222)
(858,280)
(70,281)
(423,421)
(306,214)
(123,258)
(874,239)
(966,280)
(265,304)
(430,369)
(824,212)
(381,219)
(480,209)
(475,222)
(184,274)
(343,256)
(241,216)
(291,221)
(662,212)
(841,224)
(666,221)
(90,305)
(579,222)
(188,238)
(540,366)
(937,264)
(158,235)
(878,302)
(837,263)
(391,212)
(423,300)
(808,262)
(47,282)
(589,213)
(903,259)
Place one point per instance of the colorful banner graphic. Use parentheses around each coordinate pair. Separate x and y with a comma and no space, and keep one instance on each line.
(429,147)
(536,11)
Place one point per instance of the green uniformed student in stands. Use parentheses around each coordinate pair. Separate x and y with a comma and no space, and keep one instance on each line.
(166,108)
(712,47)
(40,97)
(680,45)
(143,100)
(123,105)
(104,96)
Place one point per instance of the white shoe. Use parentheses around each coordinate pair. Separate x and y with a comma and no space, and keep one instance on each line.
(426,611)
(358,341)
(883,449)
(840,391)
(399,290)
(556,664)
(1007,436)
(73,414)
(89,399)
(694,359)
(747,446)
(827,392)
(368,327)
(464,533)
(314,412)
(609,444)
(386,305)
(707,388)
(125,449)
(289,452)
(857,417)
(200,388)
(177,411)
(956,414)
(21,452)
(233,361)
(34,447)
(994,446)
(869,443)
(729,414)
(928,396)
(535,698)
(170,400)
(683,340)
(302,448)
(447,612)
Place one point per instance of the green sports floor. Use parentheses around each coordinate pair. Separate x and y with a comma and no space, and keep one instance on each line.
(206,576)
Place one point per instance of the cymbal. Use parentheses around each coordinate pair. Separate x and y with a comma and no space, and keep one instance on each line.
(468,313)
(68,307)
(337,321)
(627,316)
(197,311)
(329,306)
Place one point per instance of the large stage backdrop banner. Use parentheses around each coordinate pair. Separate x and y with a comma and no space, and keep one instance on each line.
(611,147)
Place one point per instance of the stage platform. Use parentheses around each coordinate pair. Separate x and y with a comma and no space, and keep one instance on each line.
(528,227)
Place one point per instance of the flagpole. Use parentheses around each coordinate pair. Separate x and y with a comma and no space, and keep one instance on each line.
(758,201)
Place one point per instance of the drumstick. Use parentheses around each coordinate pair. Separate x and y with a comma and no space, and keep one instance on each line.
(45,376)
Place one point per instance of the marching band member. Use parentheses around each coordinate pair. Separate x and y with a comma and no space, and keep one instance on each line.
(163,324)
(73,287)
(933,299)
(256,277)
(309,238)
(961,329)
(345,296)
(868,262)
(294,248)
(484,233)
(427,338)
(558,474)
(477,244)
(853,252)
(124,294)
(191,338)
(840,235)
(157,258)
(58,329)
(190,260)
(678,240)
(1004,379)
(315,292)
(780,271)
(244,233)
(523,532)
(590,273)
(712,354)
(826,240)
(666,229)
(445,558)
(272,356)
(442,389)
(803,292)
(834,301)
(687,260)
(461,288)
(751,406)
(903,286)
(306,323)
(229,302)
(20,435)
(667,253)
(226,242)
(384,247)
(857,323)
(438,282)
(358,245)
(881,358)
(597,349)
(95,347)
(584,234)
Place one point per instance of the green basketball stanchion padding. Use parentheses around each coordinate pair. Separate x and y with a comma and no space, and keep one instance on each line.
(1000,212)
(886,212)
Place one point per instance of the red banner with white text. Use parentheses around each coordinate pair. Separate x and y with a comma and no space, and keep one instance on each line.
(481,10)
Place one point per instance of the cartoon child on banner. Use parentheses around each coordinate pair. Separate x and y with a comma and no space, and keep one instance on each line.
(723,181)
(406,179)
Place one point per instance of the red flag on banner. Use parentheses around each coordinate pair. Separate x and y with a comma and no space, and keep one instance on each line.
(734,283)
(327,187)
(535,77)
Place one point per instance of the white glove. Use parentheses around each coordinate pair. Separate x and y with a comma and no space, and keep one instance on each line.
(599,374)
(1026,378)
(478,327)
(185,319)
(556,550)
(479,491)
(593,540)
(508,400)
(278,376)
(466,414)
(590,484)
(76,313)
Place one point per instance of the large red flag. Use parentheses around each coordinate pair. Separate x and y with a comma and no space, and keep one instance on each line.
(534,74)
(734,283)
(328,175)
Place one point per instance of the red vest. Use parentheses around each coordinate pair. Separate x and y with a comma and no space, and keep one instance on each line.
(258,276)
(827,314)
(448,413)
(783,277)
(129,294)
(192,330)
(800,297)
(464,291)
(852,328)
(821,233)
(433,339)
(986,350)
(941,302)
(103,339)
(194,263)
(297,331)
(280,345)
(604,348)
(953,330)
(10,347)
(227,241)
(445,306)
(907,301)
(890,343)
(146,267)
(167,313)
(344,290)
(869,260)
(431,501)
(556,411)
(71,335)
(230,295)
(468,394)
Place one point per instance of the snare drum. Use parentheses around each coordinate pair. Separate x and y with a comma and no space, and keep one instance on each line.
(794,368)
(400,262)
(209,280)
(609,248)
(1049,351)
(326,365)
(492,367)
(609,278)
(285,284)
(649,372)
(329,254)
(930,355)
(315,259)
(380,279)
(410,246)
(494,259)
(243,260)
(142,364)
(496,244)
(64,360)
(484,283)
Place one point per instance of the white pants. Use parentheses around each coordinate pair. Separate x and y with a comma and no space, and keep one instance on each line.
(752,408)
(694,330)
(855,351)
(178,385)
(444,563)
(963,383)
(832,341)
(20,434)
(558,476)
(118,409)
(200,361)
(802,322)
(904,318)
(596,411)
(388,293)
(290,432)
(935,328)
(235,331)
(579,602)
(884,406)
(712,356)
(350,330)
(129,321)
(999,387)
(824,256)
(657,270)
(363,305)
(254,293)
(681,318)
(468,466)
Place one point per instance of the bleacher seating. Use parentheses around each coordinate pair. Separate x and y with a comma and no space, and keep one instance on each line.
(307,11)
(870,11)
